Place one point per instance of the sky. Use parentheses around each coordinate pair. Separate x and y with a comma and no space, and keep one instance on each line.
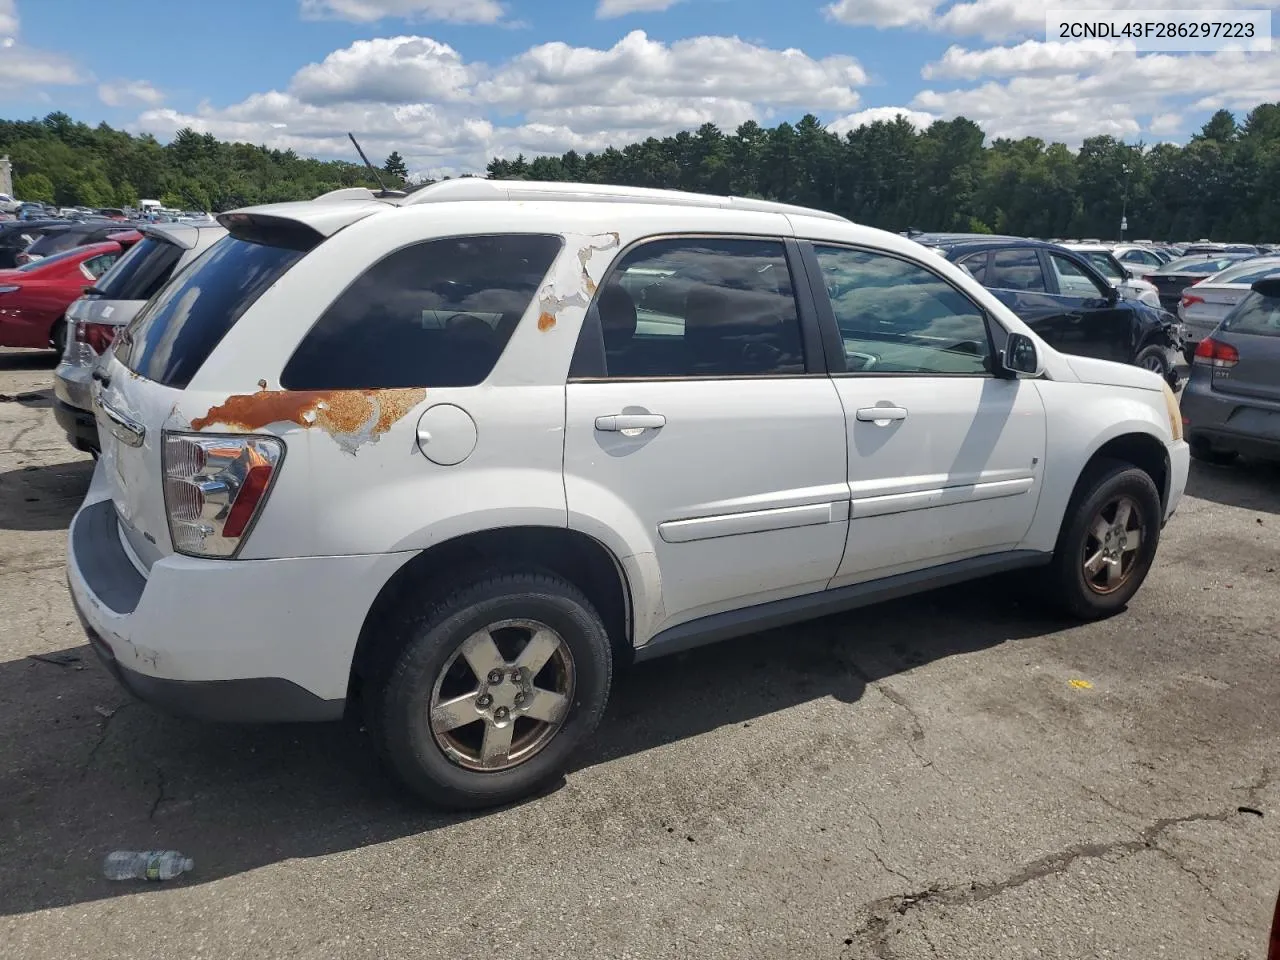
(452,83)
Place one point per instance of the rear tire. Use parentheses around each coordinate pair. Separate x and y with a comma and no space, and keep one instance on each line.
(1202,450)
(1107,543)
(469,667)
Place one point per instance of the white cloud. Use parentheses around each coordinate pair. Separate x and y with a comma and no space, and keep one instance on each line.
(1109,98)
(995,19)
(917,118)
(386,70)
(442,112)
(1028,57)
(8,19)
(119,93)
(608,9)
(370,11)
(882,13)
(1165,123)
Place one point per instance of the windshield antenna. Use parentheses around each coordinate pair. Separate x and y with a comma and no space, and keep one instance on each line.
(374,170)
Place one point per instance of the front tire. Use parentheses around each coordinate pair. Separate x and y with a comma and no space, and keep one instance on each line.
(1107,543)
(494,687)
(1157,359)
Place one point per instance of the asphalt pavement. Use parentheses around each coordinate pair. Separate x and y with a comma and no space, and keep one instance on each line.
(955,775)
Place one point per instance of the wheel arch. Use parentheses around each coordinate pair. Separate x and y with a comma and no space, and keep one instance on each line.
(579,558)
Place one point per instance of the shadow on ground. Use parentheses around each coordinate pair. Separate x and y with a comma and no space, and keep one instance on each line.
(90,771)
(45,497)
(28,360)
(1247,484)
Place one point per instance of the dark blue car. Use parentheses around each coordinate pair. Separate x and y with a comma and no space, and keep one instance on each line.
(1060,295)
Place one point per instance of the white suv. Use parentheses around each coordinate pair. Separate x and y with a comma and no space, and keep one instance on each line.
(455,456)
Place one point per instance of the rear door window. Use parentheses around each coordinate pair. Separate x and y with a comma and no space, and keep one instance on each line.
(434,314)
(1016,270)
(174,334)
(142,271)
(976,264)
(1072,280)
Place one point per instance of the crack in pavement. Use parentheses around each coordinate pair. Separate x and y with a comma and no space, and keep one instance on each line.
(160,797)
(874,933)
(898,700)
(887,869)
(104,730)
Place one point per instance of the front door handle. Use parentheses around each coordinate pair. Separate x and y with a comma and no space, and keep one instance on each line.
(881,416)
(619,422)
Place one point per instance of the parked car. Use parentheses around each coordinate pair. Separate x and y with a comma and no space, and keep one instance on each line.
(8,204)
(452,457)
(1232,401)
(59,239)
(114,300)
(34,297)
(1137,259)
(1174,277)
(1126,279)
(1205,304)
(1069,305)
(16,236)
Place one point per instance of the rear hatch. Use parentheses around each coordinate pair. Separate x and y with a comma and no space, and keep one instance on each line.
(1253,331)
(155,357)
(1171,285)
(149,370)
(1214,303)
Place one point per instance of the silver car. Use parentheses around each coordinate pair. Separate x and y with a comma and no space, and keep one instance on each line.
(1231,404)
(94,320)
(1205,304)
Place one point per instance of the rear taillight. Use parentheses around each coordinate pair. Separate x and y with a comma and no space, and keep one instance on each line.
(97,336)
(214,489)
(1215,353)
(1189,298)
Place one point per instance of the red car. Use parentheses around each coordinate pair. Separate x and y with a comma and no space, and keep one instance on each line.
(35,296)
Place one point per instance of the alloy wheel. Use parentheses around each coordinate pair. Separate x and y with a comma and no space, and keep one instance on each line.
(503,695)
(1111,547)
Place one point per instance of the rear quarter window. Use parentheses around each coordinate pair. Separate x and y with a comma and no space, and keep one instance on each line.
(175,332)
(435,314)
(142,271)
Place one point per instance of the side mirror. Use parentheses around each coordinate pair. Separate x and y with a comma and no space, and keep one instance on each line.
(1020,357)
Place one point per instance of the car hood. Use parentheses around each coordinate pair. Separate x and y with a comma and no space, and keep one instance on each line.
(99,310)
(1110,374)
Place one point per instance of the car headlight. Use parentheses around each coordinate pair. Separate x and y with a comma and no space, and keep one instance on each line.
(1174,411)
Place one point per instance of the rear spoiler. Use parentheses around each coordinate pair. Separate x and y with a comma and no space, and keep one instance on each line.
(299,225)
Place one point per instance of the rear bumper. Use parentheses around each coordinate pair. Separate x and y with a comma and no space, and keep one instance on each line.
(1228,422)
(230,640)
(79,425)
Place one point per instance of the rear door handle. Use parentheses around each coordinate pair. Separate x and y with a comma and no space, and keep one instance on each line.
(617,422)
(881,415)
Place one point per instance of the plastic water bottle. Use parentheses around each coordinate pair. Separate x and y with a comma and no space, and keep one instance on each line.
(146,865)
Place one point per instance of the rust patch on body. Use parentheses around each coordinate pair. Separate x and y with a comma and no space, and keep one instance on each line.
(352,417)
(546,322)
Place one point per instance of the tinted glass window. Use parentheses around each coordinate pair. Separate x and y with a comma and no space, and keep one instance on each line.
(898,317)
(1015,270)
(1200,265)
(142,271)
(701,308)
(976,264)
(173,335)
(59,242)
(436,314)
(43,262)
(1072,280)
(1257,315)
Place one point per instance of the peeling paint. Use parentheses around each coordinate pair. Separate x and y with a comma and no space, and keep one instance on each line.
(570,287)
(352,417)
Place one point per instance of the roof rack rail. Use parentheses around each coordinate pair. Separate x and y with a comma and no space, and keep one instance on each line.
(475,188)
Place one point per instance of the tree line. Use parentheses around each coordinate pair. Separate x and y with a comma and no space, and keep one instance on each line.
(1222,184)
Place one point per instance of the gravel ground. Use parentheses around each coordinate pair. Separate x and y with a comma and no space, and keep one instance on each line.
(950,776)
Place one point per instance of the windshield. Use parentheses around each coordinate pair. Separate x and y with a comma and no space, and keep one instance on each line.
(1204,265)
(1247,272)
(1257,315)
(1105,264)
(141,273)
(71,254)
(173,335)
